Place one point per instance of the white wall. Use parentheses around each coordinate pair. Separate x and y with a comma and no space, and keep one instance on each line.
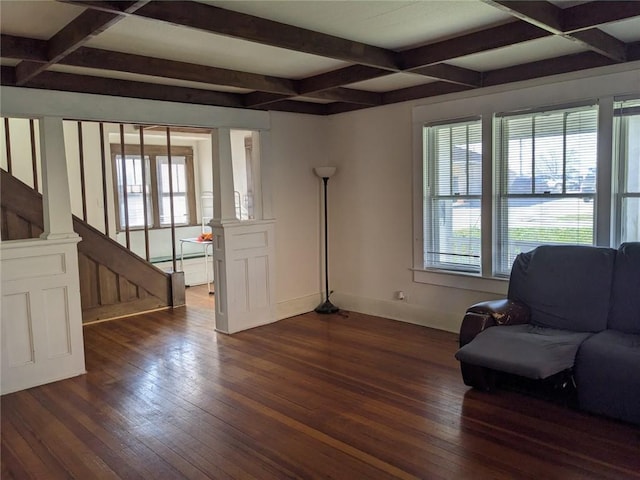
(298,143)
(372,205)
(371,230)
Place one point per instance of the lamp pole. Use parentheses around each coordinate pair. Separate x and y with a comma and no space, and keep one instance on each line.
(326,306)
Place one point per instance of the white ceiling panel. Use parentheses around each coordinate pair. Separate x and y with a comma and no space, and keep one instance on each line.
(143,78)
(526,52)
(392,82)
(143,37)
(9,62)
(627,30)
(35,19)
(386,24)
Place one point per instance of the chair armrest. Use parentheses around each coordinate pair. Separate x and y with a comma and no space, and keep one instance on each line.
(483,315)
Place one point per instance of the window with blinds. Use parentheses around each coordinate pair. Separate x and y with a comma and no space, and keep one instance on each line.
(627,152)
(161,190)
(452,194)
(546,164)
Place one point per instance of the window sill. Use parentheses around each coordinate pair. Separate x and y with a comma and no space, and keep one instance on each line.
(462,281)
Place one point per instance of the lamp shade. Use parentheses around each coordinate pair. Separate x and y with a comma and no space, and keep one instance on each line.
(325,172)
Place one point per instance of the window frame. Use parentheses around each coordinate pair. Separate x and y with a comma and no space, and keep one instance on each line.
(430,194)
(621,130)
(153,152)
(501,244)
(549,96)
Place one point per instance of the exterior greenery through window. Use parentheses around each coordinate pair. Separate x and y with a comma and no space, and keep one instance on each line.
(133,174)
(547,169)
(452,195)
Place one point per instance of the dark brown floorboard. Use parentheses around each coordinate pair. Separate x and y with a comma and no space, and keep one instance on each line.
(356,397)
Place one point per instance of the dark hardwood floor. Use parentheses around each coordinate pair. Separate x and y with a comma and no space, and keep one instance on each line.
(343,397)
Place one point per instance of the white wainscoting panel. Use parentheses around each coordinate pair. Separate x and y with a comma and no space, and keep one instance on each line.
(19,351)
(41,313)
(244,260)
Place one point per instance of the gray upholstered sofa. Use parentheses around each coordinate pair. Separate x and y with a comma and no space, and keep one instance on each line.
(571,319)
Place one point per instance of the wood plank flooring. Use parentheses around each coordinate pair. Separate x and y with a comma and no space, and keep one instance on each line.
(343,397)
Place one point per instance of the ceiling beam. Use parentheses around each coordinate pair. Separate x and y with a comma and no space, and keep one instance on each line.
(543,68)
(451,73)
(338,94)
(348,95)
(268,32)
(72,36)
(256,99)
(21,48)
(340,77)
(422,91)
(633,51)
(297,107)
(125,88)
(268,89)
(126,62)
(31,49)
(601,42)
(8,76)
(483,40)
(549,17)
(340,107)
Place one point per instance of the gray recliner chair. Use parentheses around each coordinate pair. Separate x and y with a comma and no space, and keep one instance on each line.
(563,297)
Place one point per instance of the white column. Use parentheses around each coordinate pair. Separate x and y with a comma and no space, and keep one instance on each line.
(56,198)
(264,171)
(224,202)
(243,251)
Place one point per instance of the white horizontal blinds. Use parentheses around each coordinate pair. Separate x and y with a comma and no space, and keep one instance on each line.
(452,197)
(133,165)
(627,152)
(547,165)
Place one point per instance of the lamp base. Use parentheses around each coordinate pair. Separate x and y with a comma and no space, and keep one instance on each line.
(326,307)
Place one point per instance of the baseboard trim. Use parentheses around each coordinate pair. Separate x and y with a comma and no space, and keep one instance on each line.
(118,317)
(297,306)
(399,310)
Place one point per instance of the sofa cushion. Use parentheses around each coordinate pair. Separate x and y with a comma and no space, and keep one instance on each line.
(625,301)
(566,287)
(608,375)
(526,350)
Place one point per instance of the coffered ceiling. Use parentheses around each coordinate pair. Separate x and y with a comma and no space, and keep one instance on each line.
(319,57)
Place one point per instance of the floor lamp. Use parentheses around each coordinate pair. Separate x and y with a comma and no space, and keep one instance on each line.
(326,306)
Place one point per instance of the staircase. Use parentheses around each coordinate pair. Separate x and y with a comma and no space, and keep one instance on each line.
(114,281)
